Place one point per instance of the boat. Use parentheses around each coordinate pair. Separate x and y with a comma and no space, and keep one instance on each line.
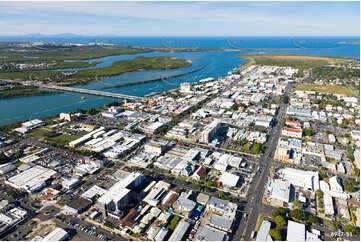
(83,97)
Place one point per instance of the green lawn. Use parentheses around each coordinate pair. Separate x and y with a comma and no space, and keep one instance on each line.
(324,88)
(62,140)
(37,132)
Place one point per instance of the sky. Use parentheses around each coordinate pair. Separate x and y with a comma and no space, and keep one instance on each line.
(181,18)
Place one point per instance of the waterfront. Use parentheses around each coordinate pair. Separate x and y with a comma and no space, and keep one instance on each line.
(215,63)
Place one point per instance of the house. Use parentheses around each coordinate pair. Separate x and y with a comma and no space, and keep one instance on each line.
(198,173)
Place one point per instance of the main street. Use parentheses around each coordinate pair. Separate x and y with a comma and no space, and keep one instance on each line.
(254,205)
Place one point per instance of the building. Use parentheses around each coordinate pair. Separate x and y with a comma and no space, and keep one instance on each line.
(163,232)
(78,205)
(264,121)
(263,232)
(228,179)
(328,204)
(155,147)
(179,231)
(308,180)
(184,205)
(57,234)
(295,133)
(117,197)
(155,195)
(198,173)
(280,190)
(5,168)
(335,184)
(31,180)
(296,231)
(32,124)
(186,87)
(70,182)
(222,207)
(207,233)
(220,222)
(210,130)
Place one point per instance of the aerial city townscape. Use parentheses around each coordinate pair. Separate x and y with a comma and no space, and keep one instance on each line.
(112,138)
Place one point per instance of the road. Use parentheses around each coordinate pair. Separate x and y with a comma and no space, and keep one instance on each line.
(255,206)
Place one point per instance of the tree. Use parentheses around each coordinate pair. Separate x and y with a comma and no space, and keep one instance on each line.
(285,99)
(351,229)
(308,132)
(298,214)
(297,203)
(257,148)
(350,185)
(313,219)
(280,220)
(278,211)
(275,234)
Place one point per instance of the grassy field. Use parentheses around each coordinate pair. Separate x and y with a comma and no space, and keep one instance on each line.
(62,140)
(37,132)
(324,88)
(292,60)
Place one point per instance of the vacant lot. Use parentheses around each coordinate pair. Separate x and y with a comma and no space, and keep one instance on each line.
(324,88)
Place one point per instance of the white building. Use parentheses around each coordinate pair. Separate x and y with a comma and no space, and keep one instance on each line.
(228,179)
(31,180)
(296,231)
(210,130)
(308,180)
(280,190)
(57,234)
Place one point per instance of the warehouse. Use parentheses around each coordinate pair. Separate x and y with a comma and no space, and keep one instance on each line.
(31,180)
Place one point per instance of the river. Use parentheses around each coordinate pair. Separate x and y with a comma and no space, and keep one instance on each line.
(216,64)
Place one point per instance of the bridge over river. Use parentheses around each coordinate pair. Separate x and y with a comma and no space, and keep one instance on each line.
(92,92)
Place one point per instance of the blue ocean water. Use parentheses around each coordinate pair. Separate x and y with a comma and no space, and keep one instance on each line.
(216,63)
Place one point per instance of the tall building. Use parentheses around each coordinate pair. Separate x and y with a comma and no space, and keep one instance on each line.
(210,130)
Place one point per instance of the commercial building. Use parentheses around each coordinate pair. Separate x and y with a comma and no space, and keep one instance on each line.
(295,133)
(210,130)
(155,195)
(220,222)
(207,233)
(296,231)
(184,205)
(32,124)
(163,232)
(57,234)
(263,232)
(280,190)
(31,180)
(78,205)
(228,179)
(308,180)
(179,231)
(117,197)
(70,182)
